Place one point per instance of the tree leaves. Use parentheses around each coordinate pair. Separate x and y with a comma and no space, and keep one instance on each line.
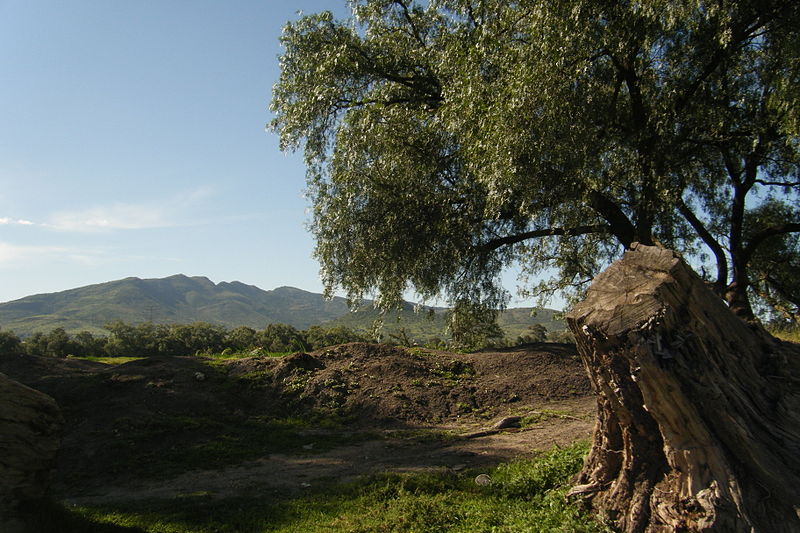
(433,129)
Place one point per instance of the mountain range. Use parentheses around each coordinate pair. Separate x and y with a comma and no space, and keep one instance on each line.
(184,299)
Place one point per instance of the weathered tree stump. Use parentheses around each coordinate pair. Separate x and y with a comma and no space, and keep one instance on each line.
(30,434)
(698,412)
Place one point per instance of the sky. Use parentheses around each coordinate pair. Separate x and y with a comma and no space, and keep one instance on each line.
(134,143)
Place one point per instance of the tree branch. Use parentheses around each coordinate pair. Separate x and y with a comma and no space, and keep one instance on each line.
(619,224)
(757,239)
(719,253)
(407,15)
(778,183)
(494,244)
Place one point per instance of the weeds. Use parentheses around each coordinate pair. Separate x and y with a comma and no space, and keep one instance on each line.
(524,496)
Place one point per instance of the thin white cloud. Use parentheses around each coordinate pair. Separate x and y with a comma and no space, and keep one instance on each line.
(22,255)
(8,221)
(163,213)
(116,216)
(15,254)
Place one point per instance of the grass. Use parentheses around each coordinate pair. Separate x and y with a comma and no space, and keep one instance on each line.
(167,446)
(791,335)
(258,352)
(107,360)
(524,496)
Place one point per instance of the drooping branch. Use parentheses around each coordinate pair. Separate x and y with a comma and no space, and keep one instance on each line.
(757,239)
(711,242)
(494,244)
(778,183)
(410,20)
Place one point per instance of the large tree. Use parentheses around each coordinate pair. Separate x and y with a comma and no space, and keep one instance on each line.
(447,139)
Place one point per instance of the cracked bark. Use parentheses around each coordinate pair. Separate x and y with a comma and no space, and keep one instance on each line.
(698,413)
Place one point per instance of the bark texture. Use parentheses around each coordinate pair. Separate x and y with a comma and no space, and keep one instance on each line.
(30,429)
(698,412)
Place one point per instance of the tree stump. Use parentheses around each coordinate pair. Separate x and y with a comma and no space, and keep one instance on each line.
(698,412)
(30,434)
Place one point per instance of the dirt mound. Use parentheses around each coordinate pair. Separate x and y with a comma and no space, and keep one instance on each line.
(159,417)
(386,384)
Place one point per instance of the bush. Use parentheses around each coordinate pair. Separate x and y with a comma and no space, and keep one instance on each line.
(10,344)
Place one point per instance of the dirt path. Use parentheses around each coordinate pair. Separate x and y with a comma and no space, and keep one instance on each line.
(389,454)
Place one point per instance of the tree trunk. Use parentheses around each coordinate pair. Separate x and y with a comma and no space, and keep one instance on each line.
(698,413)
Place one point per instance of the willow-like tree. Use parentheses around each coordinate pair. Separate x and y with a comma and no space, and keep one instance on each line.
(447,139)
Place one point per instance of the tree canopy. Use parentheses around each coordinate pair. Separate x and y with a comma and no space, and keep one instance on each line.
(446,139)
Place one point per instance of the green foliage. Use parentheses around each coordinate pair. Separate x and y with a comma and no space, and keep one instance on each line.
(563,336)
(200,338)
(535,333)
(775,264)
(785,330)
(282,338)
(447,139)
(525,496)
(473,327)
(57,343)
(242,338)
(10,344)
(318,337)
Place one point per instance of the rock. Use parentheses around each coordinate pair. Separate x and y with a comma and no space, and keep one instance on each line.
(508,422)
(30,435)
(199,376)
(483,480)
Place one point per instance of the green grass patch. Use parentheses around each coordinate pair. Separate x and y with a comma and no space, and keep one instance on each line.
(258,352)
(535,417)
(524,496)
(107,360)
(791,335)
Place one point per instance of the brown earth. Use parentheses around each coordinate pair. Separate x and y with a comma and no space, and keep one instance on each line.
(167,426)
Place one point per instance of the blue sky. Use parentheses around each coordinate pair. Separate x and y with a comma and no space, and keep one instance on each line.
(134,144)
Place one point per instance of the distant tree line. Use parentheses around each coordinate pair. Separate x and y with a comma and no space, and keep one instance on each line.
(148,339)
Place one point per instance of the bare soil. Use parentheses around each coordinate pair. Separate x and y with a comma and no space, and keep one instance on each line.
(164,427)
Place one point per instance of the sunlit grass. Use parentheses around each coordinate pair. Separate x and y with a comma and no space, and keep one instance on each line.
(524,496)
(229,354)
(107,360)
(791,335)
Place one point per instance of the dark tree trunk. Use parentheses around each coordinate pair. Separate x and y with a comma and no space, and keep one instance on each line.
(698,412)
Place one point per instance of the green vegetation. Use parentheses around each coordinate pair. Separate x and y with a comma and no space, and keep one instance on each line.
(786,331)
(71,322)
(551,135)
(148,339)
(107,360)
(205,442)
(144,340)
(524,496)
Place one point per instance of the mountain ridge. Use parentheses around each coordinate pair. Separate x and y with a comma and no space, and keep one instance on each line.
(173,299)
(185,299)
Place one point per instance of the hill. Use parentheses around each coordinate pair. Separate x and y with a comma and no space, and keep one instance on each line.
(431,323)
(182,299)
(175,299)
